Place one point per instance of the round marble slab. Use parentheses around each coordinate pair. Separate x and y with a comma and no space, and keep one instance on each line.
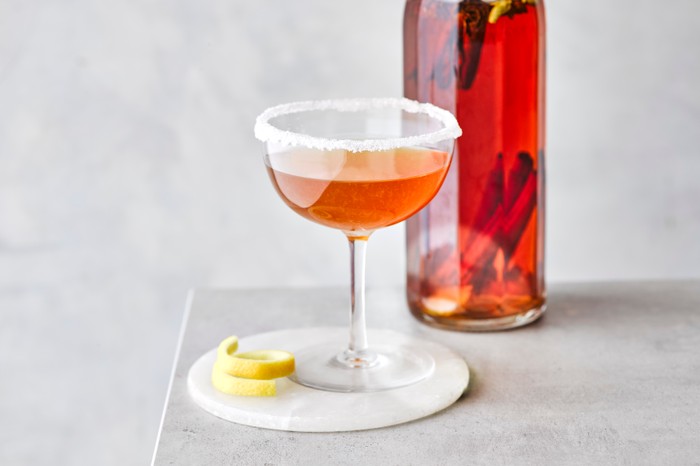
(302,409)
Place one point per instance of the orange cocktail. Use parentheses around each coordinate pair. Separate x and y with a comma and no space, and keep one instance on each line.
(358,192)
(358,165)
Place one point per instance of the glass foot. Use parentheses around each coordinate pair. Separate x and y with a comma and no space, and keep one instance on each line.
(382,367)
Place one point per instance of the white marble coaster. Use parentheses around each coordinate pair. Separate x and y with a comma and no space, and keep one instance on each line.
(301,409)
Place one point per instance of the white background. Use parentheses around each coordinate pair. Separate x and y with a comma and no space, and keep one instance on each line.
(129,173)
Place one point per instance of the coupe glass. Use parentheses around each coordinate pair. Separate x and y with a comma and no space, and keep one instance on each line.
(358,165)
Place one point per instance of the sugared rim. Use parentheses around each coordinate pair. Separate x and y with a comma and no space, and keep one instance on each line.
(266,132)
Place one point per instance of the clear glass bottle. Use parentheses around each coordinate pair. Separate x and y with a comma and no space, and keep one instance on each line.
(475,253)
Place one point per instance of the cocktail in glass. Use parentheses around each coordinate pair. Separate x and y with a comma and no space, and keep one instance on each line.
(358,165)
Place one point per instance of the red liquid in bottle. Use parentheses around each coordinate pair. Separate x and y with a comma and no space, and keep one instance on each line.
(475,253)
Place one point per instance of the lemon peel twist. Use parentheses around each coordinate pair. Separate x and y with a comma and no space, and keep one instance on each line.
(251,373)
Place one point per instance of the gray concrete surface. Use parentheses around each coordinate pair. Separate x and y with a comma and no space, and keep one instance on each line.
(610,375)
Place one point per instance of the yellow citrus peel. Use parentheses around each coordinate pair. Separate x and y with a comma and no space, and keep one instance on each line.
(501,7)
(250,373)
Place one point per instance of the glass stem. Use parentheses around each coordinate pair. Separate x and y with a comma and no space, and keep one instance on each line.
(357,354)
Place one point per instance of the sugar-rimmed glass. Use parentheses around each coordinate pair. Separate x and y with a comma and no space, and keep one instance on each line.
(357,165)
